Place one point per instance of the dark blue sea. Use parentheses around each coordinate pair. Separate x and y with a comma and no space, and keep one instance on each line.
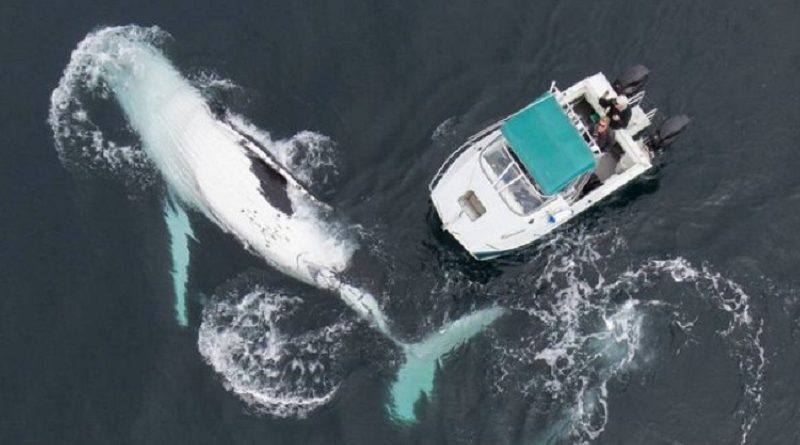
(668,314)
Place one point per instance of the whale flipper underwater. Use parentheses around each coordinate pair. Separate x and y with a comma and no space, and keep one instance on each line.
(214,168)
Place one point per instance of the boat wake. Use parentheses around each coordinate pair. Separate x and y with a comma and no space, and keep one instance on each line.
(216,164)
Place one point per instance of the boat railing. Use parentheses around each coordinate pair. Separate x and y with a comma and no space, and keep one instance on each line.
(636,98)
(576,120)
(555,91)
(447,162)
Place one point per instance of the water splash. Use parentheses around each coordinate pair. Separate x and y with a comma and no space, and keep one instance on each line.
(79,118)
(244,335)
(587,327)
(743,331)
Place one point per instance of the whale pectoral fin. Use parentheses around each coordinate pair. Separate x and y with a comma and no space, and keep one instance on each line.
(180,230)
(415,376)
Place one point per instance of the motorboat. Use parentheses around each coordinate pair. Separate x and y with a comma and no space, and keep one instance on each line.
(521,178)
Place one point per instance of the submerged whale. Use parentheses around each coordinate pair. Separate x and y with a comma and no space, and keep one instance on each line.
(218,169)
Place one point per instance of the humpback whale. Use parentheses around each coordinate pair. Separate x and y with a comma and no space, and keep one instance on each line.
(217,169)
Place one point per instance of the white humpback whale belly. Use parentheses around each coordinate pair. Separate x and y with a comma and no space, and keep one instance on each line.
(204,161)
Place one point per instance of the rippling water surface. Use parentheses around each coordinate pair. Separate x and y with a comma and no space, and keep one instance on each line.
(668,314)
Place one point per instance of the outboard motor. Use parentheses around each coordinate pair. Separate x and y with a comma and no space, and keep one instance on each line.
(631,81)
(669,131)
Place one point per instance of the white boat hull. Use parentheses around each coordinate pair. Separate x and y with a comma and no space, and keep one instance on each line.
(500,230)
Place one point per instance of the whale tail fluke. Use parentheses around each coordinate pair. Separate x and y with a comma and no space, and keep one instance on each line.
(415,376)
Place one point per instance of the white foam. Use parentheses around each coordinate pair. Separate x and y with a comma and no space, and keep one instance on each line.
(744,331)
(81,144)
(590,333)
(242,337)
(210,82)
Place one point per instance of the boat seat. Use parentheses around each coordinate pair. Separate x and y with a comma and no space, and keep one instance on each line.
(606,166)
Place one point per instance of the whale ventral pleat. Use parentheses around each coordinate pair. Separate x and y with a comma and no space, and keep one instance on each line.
(273,185)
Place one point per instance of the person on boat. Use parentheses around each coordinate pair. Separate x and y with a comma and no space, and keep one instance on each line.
(618,110)
(602,134)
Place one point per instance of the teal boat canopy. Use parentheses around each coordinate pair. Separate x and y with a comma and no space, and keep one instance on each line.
(549,146)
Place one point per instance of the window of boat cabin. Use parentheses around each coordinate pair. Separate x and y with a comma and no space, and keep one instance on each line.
(513,185)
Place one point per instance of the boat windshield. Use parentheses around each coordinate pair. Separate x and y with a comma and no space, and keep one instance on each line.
(508,179)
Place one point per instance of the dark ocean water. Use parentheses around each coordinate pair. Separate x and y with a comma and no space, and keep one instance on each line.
(706,244)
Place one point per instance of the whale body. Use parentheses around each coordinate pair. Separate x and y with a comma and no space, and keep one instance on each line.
(213,167)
